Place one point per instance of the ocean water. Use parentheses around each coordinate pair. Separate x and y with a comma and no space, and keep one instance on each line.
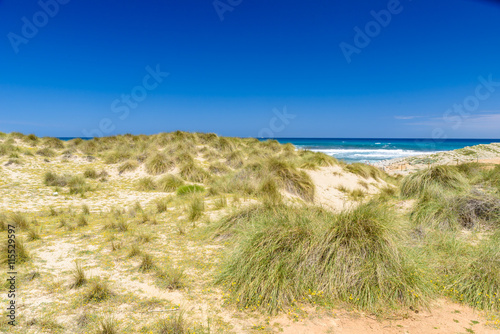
(377,149)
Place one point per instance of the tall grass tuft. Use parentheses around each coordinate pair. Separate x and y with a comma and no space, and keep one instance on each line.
(171,278)
(147,263)
(295,181)
(194,173)
(366,171)
(196,208)
(283,253)
(19,220)
(146,184)
(169,183)
(107,326)
(97,292)
(162,204)
(79,277)
(445,177)
(53,180)
(128,166)
(78,185)
(158,164)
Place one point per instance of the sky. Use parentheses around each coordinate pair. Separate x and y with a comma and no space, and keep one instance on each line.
(260,68)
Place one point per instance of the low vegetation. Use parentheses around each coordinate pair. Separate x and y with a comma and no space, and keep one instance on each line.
(137,217)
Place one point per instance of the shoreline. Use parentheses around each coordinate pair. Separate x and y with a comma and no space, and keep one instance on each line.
(483,153)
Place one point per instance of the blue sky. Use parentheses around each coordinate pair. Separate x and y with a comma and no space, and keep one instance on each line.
(251,68)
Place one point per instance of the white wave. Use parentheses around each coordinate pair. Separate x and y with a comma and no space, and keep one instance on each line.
(370,154)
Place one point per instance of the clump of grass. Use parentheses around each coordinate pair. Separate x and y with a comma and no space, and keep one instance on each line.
(194,173)
(445,177)
(477,283)
(295,181)
(366,171)
(171,278)
(357,194)
(62,223)
(128,166)
(82,221)
(22,254)
(46,152)
(310,160)
(52,142)
(53,212)
(169,183)
(32,235)
(445,210)
(190,189)
(108,326)
(146,184)
(134,251)
(270,191)
(143,237)
(19,220)
(79,277)
(138,207)
(282,253)
(77,185)
(162,204)
(53,180)
(196,208)
(85,209)
(118,224)
(147,263)
(158,164)
(115,246)
(220,203)
(98,291)
(218,168)
(173,324)
(90,173)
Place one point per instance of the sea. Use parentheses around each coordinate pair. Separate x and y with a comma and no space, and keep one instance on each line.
(374,150)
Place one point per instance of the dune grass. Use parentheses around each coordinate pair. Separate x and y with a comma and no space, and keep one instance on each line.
(283,253)
(189,189)
(445,177)
(158,164)
(128,166)
(169,183)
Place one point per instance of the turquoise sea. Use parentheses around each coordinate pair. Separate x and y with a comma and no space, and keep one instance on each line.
(378,149)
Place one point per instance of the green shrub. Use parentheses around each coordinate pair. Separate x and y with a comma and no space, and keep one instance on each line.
(190,189)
